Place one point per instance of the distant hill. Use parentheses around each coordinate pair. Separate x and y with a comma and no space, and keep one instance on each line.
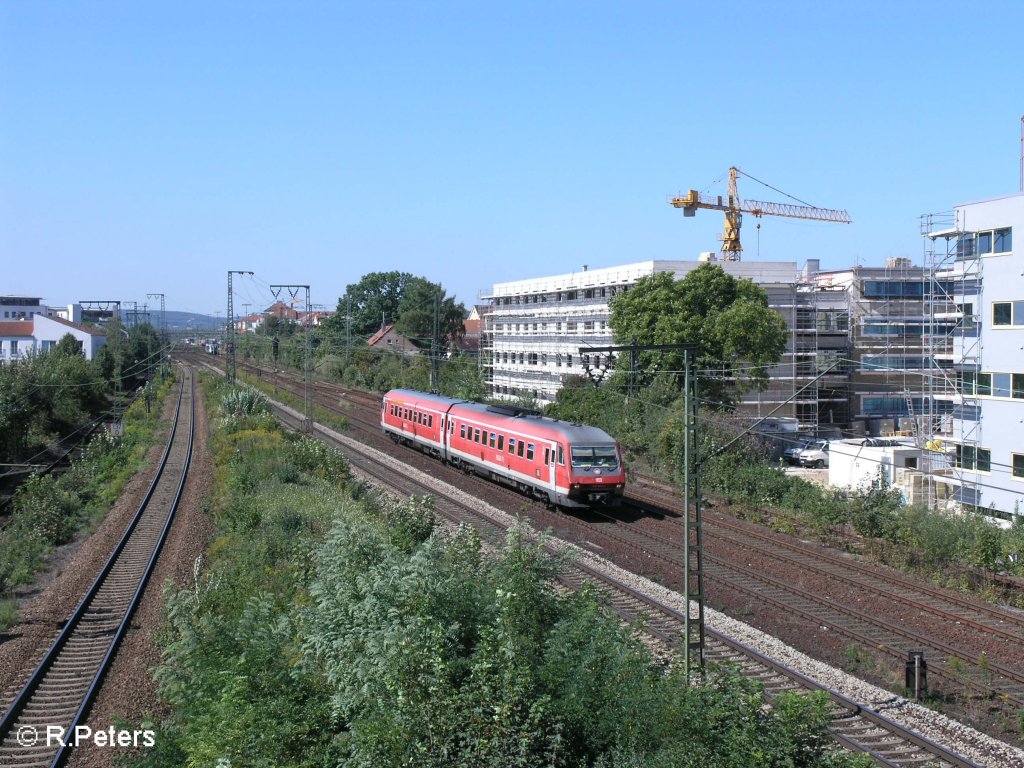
(181,321)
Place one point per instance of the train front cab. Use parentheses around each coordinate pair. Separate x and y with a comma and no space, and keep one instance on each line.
(596,476)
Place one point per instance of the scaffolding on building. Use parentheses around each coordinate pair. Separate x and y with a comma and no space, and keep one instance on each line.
(952,281)
(820,328)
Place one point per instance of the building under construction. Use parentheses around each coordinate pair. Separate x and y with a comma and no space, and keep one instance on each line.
(854,360)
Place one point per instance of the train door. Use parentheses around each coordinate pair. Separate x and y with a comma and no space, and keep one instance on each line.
(549,464)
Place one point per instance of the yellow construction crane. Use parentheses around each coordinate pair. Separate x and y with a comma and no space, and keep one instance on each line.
(734,209)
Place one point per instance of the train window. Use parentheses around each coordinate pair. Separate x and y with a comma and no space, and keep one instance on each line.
(512,445)
(476,435)
(547,455)
(561,455)
(529,451)
(462,431)
(493,440)
(603,456)
(501,442)
(519,448)
(430,420)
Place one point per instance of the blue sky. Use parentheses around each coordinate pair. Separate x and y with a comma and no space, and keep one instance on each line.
(150,147)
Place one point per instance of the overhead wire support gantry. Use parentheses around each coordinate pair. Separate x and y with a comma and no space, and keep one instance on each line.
(693,551)
(307,366)
(231,369)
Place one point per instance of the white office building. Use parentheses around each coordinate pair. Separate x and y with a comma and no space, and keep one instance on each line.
(535,328)
(977,266)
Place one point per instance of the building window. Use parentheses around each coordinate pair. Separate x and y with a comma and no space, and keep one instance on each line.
(1018,386)
(983,243)
(1002,313)
(1018,465)
(985,384)
(14,347)
(1003,240)
(983,460)
(1000,385)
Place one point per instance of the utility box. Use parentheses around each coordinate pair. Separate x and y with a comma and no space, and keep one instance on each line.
(917,674)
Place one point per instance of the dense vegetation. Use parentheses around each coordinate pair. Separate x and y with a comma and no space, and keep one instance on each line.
(48,509)
(736,337)
(331,626)
(49,394)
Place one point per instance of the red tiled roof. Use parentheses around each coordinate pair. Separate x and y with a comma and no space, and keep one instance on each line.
(17,328)
(472,326)
(379,335)
(77,327)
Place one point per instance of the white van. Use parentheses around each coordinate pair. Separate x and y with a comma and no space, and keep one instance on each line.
(815,455)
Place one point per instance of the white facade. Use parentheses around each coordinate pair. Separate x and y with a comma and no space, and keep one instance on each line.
(72,313)
(40,334)
(536,327)
(987,428)
(16,340)
(20,308)
(858,463)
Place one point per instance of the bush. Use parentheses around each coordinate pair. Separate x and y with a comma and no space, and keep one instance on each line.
(320,460)
(244,401)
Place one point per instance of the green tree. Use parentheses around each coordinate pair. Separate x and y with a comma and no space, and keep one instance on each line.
(68,346)
(400,299)
(738,336)
(130,355)
(376,298)
(422,299)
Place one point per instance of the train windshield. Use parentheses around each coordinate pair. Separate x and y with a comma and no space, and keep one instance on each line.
(604,457)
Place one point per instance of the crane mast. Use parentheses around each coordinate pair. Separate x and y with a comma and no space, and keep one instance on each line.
(734,208)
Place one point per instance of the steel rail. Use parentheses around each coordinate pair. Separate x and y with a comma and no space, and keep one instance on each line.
(25,695)
(880,751)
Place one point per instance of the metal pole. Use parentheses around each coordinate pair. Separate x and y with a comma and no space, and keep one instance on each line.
(308,379)
(697,543)
(686,512)
(231,367)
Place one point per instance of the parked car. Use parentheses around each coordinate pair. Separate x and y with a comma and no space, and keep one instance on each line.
(815,455)
(792,454)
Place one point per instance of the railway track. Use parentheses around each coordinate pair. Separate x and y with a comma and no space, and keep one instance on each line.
(996,685)
(997,682)
(854,726)
(38,726)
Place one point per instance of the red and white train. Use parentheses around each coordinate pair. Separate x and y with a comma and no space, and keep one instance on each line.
(569,465)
